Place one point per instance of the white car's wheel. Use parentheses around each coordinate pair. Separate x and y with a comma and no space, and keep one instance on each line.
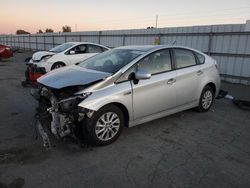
(57,65)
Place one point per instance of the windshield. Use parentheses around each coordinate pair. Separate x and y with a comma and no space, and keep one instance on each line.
(110,61)
(61,47)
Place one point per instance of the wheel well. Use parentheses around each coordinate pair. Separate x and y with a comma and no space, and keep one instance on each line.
(56,63)
(212,85)
(124,110)
(60,63)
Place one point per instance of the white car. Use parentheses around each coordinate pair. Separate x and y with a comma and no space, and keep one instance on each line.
(65,54)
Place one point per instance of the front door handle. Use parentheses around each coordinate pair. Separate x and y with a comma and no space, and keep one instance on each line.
(200,72)
(171,81)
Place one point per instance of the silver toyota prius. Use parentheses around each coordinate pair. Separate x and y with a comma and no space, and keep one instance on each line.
(125,86)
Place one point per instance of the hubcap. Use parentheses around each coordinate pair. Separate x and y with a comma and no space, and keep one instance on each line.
(58,66)
(107,126)
(207,99)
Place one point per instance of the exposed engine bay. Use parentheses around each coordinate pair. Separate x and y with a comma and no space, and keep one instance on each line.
(58,114)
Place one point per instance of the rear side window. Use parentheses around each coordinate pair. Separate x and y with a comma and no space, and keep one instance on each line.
(94,49)
(201,58)
(184,58)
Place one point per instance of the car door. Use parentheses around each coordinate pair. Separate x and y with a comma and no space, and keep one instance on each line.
(156,94)
(76,54)
(188,74)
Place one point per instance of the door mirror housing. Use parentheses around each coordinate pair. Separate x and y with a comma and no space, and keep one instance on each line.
(71,52)
(142,74)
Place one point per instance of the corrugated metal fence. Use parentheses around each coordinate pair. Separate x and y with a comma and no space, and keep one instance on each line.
(228,44)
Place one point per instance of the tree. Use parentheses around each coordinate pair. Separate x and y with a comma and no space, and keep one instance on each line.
(150,27)
(66,28)
(49,30)
(40,31)
(21,31)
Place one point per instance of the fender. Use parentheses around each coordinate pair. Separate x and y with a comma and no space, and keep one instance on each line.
(121,93)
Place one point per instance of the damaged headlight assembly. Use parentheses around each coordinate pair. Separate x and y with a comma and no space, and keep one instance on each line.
(71,102)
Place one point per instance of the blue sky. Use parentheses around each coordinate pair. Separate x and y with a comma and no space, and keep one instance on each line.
(33,15)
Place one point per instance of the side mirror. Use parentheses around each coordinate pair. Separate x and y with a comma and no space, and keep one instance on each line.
(142,74)
(71,52)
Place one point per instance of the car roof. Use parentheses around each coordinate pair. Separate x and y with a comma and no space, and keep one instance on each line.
(146,48)
(75,43)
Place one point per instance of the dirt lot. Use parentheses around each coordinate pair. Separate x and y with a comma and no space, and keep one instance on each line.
(188,149)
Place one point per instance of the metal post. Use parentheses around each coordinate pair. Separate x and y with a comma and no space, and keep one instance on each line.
(156,21)
(44,43)
(23,43)
(99,37)
(210,43)
(18,42)
(36,43)
(159,36)
(53,40)
(29,43)
(123,40)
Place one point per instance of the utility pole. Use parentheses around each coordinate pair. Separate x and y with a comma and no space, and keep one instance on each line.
(156,21)
(75,27)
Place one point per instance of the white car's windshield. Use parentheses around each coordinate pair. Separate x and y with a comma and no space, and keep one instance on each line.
(61,47)
(110,61)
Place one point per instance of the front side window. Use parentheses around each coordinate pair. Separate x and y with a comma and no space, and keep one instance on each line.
(156,62)
(80,49)
(184,58)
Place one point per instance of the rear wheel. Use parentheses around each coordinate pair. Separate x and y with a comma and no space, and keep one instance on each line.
(57,65)
(206,99)
(105,126)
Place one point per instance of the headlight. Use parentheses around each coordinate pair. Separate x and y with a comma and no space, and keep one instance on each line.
(46,58)
(72,102)
(85,95)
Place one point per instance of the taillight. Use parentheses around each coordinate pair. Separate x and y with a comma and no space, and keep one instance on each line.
(216,66)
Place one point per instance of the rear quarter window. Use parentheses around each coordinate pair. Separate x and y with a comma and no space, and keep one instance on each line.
(200,58)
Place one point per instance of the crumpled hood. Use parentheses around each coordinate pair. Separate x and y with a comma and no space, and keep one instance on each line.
(38,55)
(71,76)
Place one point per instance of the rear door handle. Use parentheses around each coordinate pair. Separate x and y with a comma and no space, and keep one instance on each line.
(171,81)
(200,72)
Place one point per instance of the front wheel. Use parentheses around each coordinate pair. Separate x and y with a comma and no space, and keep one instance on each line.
(206,99)
(57,65)
(105,126)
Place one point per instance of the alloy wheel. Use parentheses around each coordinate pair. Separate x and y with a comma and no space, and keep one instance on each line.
(207,99)
(107,126)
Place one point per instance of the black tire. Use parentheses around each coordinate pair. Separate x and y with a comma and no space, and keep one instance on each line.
(203,106)
(91,125)
(57,65)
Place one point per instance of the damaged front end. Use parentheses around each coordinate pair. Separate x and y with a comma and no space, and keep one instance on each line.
(58,114)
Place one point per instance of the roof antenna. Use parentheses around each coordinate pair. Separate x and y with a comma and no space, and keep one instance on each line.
(174,42)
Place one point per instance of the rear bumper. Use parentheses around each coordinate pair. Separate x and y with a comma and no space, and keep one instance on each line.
(32,73)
